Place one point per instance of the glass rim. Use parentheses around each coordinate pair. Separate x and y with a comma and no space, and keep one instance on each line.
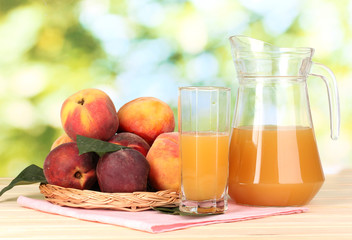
(204,88)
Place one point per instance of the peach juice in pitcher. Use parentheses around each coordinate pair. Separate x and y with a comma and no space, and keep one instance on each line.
(273,158)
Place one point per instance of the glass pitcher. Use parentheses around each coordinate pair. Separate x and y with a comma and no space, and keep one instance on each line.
(274,160)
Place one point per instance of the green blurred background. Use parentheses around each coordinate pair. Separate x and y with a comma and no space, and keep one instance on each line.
(50,49)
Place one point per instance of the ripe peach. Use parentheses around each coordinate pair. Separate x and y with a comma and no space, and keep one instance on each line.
(125,170)
(164,161)
(90,113)
(147,117)
(131,140)
(65,167)
(60,140)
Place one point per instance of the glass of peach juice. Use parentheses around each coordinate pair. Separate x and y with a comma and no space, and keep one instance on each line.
(204,128)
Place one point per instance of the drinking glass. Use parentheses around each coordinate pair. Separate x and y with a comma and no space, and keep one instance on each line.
(204,128)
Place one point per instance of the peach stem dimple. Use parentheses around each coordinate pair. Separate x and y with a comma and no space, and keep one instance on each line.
(78,175)
(81,101)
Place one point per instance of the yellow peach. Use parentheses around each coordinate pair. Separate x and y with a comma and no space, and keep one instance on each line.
(90,113)
(60,140)
(164,161)
(147,117)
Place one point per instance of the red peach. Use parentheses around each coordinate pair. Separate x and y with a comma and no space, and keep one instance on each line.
(66,168)
(131,140)
(125,170)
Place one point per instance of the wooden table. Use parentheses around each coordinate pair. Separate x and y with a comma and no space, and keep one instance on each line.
(329,217)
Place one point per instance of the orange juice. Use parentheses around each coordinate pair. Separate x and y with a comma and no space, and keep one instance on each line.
(204,165)
(274,166)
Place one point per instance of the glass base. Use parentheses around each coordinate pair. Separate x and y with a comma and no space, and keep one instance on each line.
(204,207)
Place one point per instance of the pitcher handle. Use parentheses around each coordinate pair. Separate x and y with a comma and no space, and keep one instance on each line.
(323,72)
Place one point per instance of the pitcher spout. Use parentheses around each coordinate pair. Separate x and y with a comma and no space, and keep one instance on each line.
(242,44)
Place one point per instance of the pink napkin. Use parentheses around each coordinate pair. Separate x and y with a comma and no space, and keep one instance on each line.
(155,222)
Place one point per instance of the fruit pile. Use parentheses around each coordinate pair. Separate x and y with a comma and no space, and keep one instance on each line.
(144,125)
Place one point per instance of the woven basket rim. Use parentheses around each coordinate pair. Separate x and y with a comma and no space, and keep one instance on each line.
(90,199)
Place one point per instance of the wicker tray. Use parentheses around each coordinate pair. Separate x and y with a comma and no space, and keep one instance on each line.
(133,202)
